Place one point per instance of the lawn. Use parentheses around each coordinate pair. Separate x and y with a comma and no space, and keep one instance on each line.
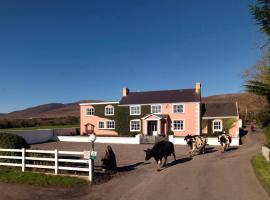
(41,127)
(262,170)
(13,175)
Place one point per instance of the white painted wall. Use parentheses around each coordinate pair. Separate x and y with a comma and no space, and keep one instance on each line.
(34,136)
(99,139)
(210,140)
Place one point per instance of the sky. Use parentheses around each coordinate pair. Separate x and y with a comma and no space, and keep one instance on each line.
(66,51)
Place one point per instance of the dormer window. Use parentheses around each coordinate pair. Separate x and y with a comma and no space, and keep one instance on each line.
(90,111)
(109,110)
(156,109)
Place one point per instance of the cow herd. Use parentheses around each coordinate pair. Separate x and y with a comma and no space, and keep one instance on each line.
(197,145)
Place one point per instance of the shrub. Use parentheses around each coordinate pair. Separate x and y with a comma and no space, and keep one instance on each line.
(11,141)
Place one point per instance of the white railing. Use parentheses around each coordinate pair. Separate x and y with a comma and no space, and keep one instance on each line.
(55,159)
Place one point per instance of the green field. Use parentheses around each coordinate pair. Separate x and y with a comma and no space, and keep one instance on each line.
(13,175)
(262,170)
(41,127)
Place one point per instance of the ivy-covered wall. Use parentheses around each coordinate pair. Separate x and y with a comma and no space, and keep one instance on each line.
(122,117)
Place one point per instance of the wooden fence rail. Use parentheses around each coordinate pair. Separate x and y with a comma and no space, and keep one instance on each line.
(55,159)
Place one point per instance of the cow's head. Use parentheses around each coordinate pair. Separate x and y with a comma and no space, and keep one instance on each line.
(189,139)
(148,154)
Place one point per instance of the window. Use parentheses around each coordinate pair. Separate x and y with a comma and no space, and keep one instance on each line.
(178,125)
(135,110)
(156,109)
(111,124)
(90,111)
(135,125)
(178,108)
(217,125)
(109,110)
(101,125)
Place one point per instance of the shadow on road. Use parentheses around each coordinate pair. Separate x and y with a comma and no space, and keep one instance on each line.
(210,150)
(131,167)
(232,148)
(179,161)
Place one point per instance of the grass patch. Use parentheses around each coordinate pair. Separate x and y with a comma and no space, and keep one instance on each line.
(13,175)
(262,170)
(41,127)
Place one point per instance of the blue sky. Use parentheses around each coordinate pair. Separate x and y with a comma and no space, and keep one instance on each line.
(65,51)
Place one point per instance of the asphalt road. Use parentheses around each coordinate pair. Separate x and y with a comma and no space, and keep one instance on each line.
(212,176)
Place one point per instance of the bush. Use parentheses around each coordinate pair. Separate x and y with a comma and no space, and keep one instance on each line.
(11,141)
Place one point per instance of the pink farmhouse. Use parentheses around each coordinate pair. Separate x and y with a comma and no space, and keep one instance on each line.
(178,112)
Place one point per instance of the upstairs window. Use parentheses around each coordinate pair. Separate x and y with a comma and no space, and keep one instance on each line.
(135,110)
(178,125)
(217,125)
(156,109)
(90,111)
(109,110)
(178,108)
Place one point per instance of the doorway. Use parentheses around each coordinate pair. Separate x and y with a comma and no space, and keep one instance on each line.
(152,128)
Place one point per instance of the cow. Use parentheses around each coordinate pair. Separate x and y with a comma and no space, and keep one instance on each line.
(160,150)
(225,141)
(196,143)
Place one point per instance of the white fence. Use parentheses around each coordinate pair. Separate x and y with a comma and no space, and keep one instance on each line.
(210,140)
(55,159)
(100,139)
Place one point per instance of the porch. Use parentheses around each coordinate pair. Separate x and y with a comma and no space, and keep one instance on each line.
(155,125)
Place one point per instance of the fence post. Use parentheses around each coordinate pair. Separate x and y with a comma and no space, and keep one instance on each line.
(56,161)
(90,170)
(23,159)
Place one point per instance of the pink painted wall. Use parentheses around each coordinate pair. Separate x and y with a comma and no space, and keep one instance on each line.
(191,110)
(93,120)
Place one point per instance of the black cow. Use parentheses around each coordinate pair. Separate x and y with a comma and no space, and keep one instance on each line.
(161,150)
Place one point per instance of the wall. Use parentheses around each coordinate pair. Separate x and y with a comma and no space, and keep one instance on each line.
(94,120)
(34,136)
(100,139)
(210,140)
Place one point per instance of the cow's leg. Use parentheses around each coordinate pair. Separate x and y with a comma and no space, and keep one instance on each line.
(165,161)
(158,165)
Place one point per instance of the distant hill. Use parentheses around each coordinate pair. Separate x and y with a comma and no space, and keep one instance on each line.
(51,110)
(246,102)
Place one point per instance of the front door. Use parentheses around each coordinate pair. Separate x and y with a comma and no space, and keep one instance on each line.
(152,128)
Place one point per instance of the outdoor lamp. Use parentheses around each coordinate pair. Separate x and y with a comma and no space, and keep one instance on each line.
(92,138)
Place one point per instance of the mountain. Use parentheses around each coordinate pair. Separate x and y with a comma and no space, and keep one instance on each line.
(51,110)
(246,102)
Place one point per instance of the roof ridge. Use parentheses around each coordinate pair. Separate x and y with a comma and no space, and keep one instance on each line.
(164,90)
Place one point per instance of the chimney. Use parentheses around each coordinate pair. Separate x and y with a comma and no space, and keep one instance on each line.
(125,92)
(198,88)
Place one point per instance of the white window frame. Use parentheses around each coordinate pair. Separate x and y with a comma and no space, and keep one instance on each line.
(109,107)
(103,124)
(130,107)
(108,121)
(156,105)
(90,112)
(173,121)
(135,120)
(213,125)
(178,104)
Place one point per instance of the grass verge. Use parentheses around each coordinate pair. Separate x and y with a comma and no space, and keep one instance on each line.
(41,127)
(262,170)
(13,175)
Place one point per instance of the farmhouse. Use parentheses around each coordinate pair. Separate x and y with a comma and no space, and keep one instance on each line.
(152,113)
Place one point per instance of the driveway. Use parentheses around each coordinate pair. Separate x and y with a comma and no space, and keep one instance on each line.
(211,176)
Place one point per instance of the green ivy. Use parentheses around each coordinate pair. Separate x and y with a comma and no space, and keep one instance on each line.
(122,117)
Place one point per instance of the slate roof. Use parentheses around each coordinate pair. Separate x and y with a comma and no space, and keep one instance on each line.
(225,109)
(165,96)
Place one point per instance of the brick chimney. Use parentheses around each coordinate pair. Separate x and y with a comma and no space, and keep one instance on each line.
(198,88)
(125,92)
